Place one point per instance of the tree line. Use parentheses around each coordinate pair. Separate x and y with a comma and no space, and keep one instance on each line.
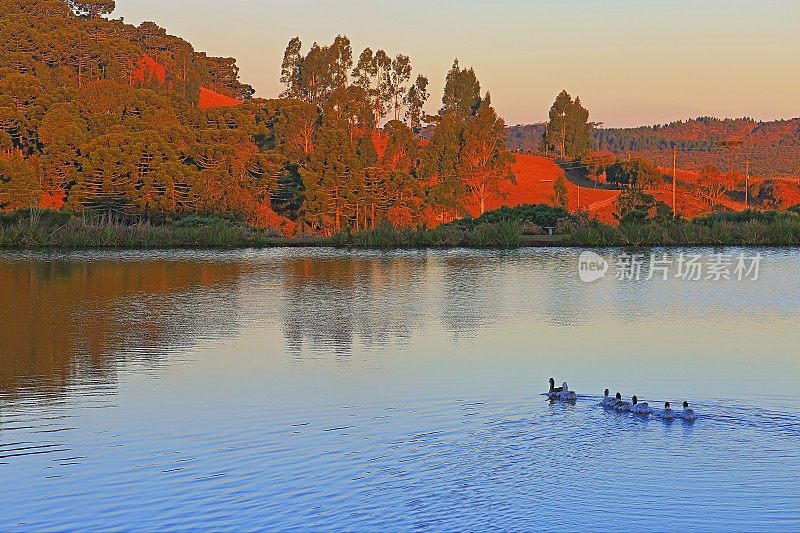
(105,118)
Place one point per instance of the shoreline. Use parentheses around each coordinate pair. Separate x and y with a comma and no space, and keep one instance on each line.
(545,241)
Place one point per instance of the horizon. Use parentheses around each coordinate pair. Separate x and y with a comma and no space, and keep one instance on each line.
(716,28)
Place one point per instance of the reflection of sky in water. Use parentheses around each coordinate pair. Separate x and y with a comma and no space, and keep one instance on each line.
(388,389)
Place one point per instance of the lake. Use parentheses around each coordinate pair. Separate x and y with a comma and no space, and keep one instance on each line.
(320,389)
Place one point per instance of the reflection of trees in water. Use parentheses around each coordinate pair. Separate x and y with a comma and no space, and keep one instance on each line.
(331,301)
(471,296)
(65,320)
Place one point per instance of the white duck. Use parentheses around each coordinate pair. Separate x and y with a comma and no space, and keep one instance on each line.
(567,395)
(608,401)
(621,405)
(668,413)
(688,412)
(554,393)
(639,408)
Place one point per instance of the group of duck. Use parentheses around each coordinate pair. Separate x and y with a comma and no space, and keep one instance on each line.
(618,404)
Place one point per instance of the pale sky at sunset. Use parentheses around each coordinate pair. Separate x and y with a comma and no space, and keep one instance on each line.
(632,62)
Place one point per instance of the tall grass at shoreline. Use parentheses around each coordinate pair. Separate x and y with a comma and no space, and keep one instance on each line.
(740,229)
(48,229)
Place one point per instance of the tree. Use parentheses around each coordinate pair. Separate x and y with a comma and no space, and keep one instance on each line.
(415,103)
(331,179)
(712,185)
(485,160)
(294,130)
(568,127)
(440,164)
(560,192)
(399,74)
(596,163)
(638,173)
(291,69)
(634,205)
(462,92)
(372,75)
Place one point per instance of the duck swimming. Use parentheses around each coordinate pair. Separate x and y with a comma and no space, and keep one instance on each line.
(566,394)
(622,405)
(688,412)
(608,401)
(639,408)
(554,392)
(668,413)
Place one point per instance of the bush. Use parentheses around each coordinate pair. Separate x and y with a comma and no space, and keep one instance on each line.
(199,221)
(45,218)
(541,215)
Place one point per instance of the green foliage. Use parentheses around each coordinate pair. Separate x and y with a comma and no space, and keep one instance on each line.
(744,216)
(560,192)
(542,215)
(780,231)
(462,92)
(568,128)
(504,234)
(634,205)
(636,173)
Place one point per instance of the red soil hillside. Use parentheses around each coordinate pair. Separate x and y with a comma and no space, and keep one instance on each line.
(535,178)
(209,98)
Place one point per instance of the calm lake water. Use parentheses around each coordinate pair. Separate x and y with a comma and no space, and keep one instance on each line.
(333,390)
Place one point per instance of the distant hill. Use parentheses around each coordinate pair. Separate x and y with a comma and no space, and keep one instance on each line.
(773,148)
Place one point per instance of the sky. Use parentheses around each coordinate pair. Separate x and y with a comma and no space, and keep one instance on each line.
(632,62)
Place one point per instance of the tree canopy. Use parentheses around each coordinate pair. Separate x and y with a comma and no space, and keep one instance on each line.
(568,129)
(127,122)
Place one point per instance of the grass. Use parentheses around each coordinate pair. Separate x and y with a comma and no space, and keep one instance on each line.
(487,235)
(47,229)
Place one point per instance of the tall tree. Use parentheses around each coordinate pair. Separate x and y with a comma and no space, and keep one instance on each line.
(485,159)
(398,76)
(462,92)
(568,127)
(331,178)
(415,103)
(372,74)
(291,69)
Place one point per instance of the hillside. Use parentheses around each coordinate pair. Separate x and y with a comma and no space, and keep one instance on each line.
(773,148)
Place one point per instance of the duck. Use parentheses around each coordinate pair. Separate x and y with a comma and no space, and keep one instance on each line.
(639,408)
(688,412)
(608,401)
(554,392)
(566,394)
(616,401)
(621,405)
(668,413)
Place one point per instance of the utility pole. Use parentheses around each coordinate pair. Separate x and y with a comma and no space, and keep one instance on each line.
(674,179)
(747,184)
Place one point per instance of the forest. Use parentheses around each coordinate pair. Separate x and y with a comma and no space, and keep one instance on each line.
(120,122)
(773,148)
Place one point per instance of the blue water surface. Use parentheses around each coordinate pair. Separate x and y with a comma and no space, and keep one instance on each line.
(361,391)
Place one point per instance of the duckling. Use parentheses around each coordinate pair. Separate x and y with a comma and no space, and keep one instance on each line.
(688,413)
